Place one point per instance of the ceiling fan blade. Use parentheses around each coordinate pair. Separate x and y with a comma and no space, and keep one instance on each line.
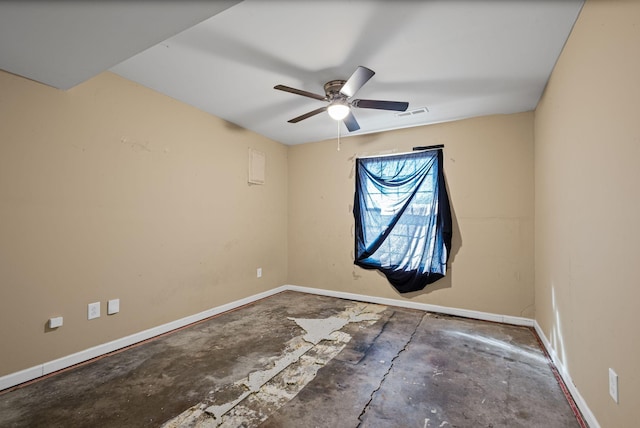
(307,115)
(299,92)
(381,105)
(356,81)
(351,123)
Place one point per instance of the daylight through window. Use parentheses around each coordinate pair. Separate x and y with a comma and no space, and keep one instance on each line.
(402,218)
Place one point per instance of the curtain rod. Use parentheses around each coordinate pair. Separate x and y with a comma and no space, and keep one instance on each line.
(425,148)
(437,146)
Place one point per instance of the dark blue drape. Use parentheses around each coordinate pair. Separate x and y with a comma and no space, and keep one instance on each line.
(403,218)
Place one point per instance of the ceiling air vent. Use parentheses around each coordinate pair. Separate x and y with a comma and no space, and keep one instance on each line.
(413,112)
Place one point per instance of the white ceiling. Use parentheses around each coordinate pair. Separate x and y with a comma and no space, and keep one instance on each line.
(457,58)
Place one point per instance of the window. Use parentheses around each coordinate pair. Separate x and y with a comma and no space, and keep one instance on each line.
(402,218)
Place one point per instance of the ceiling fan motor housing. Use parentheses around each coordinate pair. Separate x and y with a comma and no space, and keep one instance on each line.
(332,89)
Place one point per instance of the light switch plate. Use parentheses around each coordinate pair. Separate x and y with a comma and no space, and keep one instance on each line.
(55,322)
(113,306)
(613,385)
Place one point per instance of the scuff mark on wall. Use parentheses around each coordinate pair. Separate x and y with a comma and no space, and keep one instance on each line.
(136,145)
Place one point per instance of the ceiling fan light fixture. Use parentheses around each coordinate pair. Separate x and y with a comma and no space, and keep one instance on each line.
(338,94)
(338,110)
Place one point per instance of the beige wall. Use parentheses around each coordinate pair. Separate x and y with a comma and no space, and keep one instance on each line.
(489,170)
(587,154)
(110,190)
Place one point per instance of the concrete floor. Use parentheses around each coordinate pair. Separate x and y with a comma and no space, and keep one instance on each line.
(301,360)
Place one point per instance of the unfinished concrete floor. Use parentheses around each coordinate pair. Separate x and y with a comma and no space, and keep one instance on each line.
(301,360)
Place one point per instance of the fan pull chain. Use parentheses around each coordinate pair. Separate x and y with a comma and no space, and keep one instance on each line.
(338,122)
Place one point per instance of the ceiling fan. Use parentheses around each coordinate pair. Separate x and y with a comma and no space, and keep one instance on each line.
(338,94)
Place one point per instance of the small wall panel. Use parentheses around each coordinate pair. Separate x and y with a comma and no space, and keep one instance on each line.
(257,161)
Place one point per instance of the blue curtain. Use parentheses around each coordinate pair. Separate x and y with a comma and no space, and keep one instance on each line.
(403,218)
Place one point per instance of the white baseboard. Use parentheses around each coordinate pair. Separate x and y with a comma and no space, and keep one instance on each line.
(35,372)
(582,405)
(466,313)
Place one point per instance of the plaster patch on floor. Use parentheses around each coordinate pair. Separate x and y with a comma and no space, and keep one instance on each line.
(264,391)
(188,418)
(319,329)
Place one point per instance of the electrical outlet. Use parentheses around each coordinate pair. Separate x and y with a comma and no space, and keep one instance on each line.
(94,310)
(613,385)
(259,272)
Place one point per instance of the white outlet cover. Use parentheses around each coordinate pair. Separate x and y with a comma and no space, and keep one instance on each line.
(113,306)
(259,272)
(55,322)
(613,385)
(93,310)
